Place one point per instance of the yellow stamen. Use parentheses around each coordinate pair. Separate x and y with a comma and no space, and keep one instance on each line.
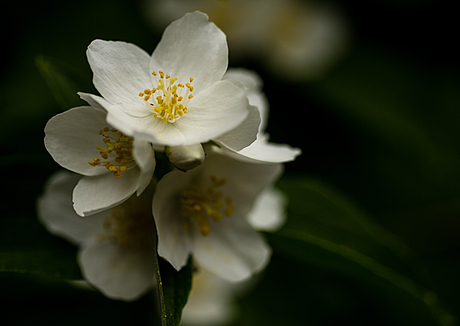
(200,204)
(118,151)
(171,101)
(129,225)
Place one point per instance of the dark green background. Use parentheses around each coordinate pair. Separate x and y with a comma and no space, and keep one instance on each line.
(380,140)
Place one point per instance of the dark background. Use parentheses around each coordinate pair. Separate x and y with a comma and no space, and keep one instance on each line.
(381,127)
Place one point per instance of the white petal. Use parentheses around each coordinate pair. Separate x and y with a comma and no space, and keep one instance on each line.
(124,122)
(55,210)
(262,151)
(94,101)
(173,241)
(140,127)
(213,112)
(95,194)
(159,132)
(268,212)
(243,135)
(192,47)
(145,160)
(121,70)
(259,100)
(211,300)
(71,138)
(116,117)
(118,272)
(250,79)
(232,249)
(253,83)
(244,180)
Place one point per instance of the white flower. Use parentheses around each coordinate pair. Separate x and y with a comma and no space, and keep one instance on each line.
(114,165)
(204,213)
(176,97)
(116,247)
(212,299)
(296,39)
(260,150)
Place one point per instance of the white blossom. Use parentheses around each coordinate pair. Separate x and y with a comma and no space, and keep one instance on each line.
(213,300)
(116,247)
(176,96)
(114,165)
(204,212)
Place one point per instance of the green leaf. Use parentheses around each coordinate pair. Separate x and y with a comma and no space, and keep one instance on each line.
(173,289)
(26,247)
(57,263)
(327,230)
(63,80)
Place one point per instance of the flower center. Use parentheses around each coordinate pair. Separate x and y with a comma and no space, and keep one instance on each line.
(167,101)
(129,225)
(118,153)
(200,204)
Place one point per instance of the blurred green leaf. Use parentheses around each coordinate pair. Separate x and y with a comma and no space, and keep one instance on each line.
(63,80)
(174,288)
(327,230)
(27,248)
(57,263)
(404,109)
(52,302)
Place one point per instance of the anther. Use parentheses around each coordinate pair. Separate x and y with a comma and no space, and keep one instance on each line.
(171,101)
(120,146)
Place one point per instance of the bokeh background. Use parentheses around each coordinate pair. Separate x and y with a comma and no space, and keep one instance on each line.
(375,194)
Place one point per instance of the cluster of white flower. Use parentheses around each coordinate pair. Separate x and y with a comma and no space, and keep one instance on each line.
(179,106)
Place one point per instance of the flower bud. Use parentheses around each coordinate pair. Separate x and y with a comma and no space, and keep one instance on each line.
(186,157)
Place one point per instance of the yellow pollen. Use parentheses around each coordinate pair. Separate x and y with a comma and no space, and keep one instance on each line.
(200,205)
(129,225)
(171,100)
(204,229)
(118,152)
